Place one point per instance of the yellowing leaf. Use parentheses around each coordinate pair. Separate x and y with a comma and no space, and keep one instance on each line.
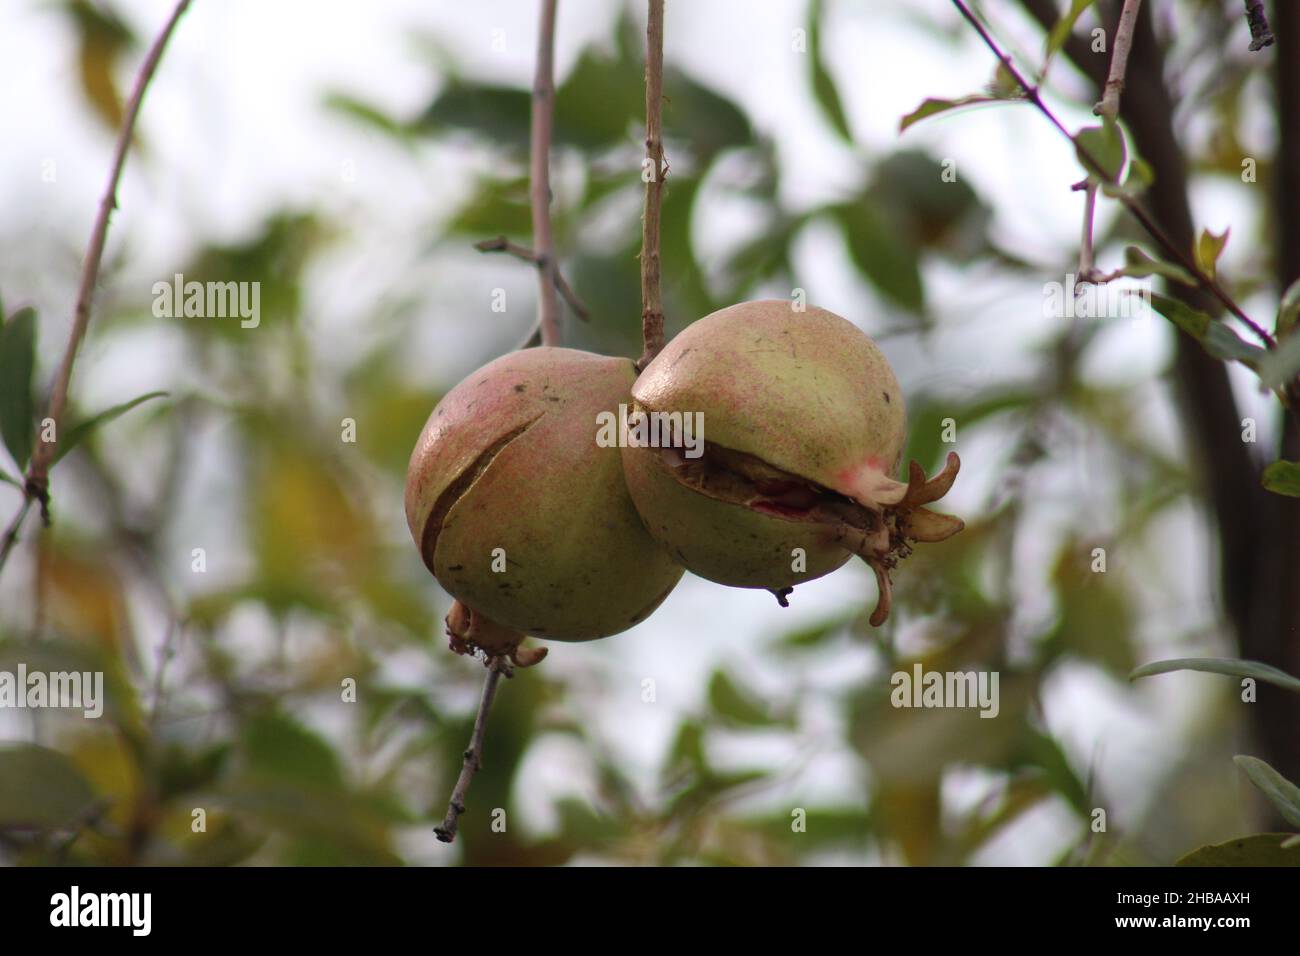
(1208,249)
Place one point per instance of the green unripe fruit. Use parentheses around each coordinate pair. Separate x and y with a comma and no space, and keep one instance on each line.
(804,427)
(508,473)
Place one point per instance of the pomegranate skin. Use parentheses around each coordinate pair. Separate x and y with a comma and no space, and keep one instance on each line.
(726,542)
(803,428)
(805,391)
(507,471)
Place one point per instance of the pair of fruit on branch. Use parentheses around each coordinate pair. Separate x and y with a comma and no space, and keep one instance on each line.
(539,530)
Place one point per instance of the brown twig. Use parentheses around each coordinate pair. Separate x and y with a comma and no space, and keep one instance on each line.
(652,308)
(543,255)
(548,306)
(1135,209)
(166,651)
(37,485)
(1261,35)
(11,533)
(497,667)
(571,298)
(1109,105)
(1087,263)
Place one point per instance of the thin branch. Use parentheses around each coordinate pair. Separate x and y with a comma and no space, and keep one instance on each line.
(571,298)
(1087,264)
(548,306)
(166,651)
(1109,105)
(37,485)
(548,314)
(43,454)
(11,533)
(497,666)
(652,308)
(1152,229)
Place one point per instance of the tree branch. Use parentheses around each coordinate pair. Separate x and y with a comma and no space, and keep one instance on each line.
(497,666)
(502,244)
(1109,105)
(11,533)
(1087,262)
(461,621)
(38,471)
(652,308)
(548,307)
(1172,249)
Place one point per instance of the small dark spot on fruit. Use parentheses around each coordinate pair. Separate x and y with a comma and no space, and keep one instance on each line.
(886,394)
(521,388)
(457,567)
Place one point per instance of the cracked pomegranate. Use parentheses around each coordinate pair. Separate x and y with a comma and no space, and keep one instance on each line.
(805,427)
(520,514)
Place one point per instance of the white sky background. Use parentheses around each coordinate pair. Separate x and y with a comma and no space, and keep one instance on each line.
(235,129)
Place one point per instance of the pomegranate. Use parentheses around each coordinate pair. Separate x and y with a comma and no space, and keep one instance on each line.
(805,426)
(522,516)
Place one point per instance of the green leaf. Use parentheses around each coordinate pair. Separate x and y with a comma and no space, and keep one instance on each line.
(1283,794)
(1288,310)
(181,771)
(1102,150)
(498,113)
(1096,618)
(78,432)
(1262,849)
(932,106)
(696,114)
(1192,321)
(1004,86)
(1140,176)
(277,746)
(1281,364)
(1215,337)
(1213,665)
(365,113)
(1208,249)
(891,266)
(1223,343)
(1283,478)
(828,98)
(734,705)
(818,633)
(1061,30)
(601,101)
(41,788)
(602,104)
(9,479)
(686,756)
(17,410)
(1139,265)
